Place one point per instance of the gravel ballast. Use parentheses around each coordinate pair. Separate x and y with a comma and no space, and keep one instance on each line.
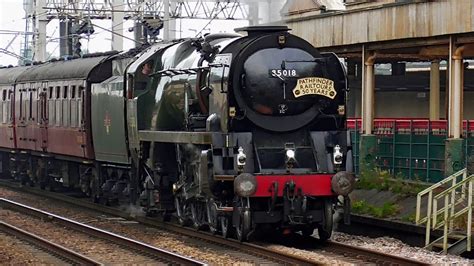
(186,246)
(213,255)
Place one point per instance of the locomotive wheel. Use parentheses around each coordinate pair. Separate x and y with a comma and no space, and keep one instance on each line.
(86,186)
(94,186)
(307,230)
(180,211)
(24,179)
(198,214)
(212,219)
(51,184)
(32,173)
(325,228)
(41,174)
(244,226)
(324,235)
(224,221)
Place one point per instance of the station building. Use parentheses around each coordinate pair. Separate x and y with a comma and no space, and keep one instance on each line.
(411,100)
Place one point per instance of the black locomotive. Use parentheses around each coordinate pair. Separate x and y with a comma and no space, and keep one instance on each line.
(225,131)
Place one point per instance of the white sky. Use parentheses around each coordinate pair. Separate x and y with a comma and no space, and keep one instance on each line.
(12,14)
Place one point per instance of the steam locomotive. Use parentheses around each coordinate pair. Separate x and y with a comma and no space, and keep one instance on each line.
(229,132)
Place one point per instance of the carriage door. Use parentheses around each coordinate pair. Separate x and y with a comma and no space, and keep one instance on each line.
(43,115)
(19,116)
(10,116)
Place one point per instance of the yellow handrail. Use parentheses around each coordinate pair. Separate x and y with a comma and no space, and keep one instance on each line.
(429,190)
(448,211)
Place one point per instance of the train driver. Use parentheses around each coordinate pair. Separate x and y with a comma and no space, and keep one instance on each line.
(142,79)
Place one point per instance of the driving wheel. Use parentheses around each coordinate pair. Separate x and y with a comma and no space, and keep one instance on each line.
(212,219)
(224,221)
(244,225)
(180,211)
(325,228)
(198,213)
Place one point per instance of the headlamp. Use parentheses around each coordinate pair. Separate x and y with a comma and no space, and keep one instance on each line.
(241,157)
(290,154)
(337,155)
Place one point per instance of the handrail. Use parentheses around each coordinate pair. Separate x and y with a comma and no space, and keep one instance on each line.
(451,202)
(443,182)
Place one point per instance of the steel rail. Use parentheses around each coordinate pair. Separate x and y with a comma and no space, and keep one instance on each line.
(160,254)
(369,256)
(365,255)
(275,257)
(61,252)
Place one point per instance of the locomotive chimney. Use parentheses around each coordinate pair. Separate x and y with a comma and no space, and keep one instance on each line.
(259,30)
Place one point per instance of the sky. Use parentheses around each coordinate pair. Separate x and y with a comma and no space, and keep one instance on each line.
(12,19)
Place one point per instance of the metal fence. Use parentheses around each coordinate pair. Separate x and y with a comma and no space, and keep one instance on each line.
(413,148)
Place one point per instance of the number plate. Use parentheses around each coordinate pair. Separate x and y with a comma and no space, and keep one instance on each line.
(283,73)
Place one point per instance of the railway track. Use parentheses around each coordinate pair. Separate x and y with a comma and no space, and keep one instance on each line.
(57,252)
(346,253)
(158,255)
(360,255)
(264,255)
(246,251)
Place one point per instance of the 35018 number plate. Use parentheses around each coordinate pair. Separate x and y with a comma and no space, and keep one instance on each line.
(283,73)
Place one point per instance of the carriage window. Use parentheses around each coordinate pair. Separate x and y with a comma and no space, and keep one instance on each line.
(41,92)
(50,92)
(4,95)
(21,105)
(30,110)
(73,91)
(65,92)
(26,104)
(81,89)
(58,90)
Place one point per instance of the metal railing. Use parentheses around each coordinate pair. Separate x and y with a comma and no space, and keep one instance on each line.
(412,148)
(460,189)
